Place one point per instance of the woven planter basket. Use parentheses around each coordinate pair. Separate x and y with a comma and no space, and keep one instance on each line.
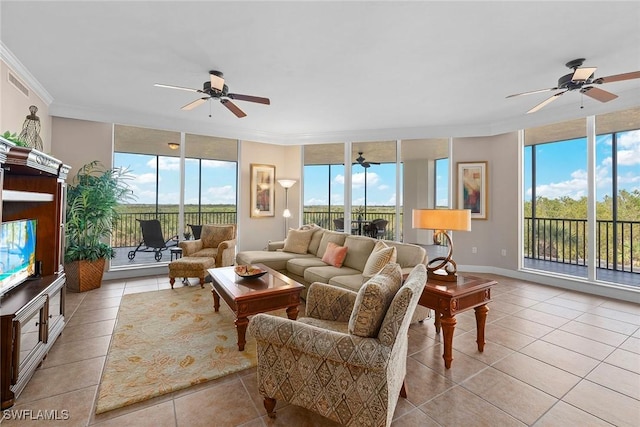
(84,275)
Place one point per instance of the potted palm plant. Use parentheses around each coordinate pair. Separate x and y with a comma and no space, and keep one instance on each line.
(92,198)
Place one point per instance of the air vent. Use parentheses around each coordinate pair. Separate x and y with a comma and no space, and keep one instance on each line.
(18,84)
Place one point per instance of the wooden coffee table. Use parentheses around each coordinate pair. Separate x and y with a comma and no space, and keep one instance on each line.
(450,298)
(252,296)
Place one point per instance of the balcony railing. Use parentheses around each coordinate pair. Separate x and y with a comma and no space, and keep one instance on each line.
(565,241)
(325,219)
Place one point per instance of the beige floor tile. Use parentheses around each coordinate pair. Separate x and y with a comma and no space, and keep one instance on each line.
(403,407)
(559,357)
(513,396)
(423,383)
(524,326)
(141,281)
(88,330)
(622,316)
(588,299)
(579,344)
(507,337)
(617,379)
(625,359)
(415,418)
(462,366)
(515,299)
(543,318)
(292,415)
(160,415)
(537,292)
(191,412)
(68,409)
(631,344)
(77,350)
(604,403)
(563,414)
(460,407)
(493,352)
(62,379)
(626,306)
(139,289)
(595,333)
(110,292)
(504,306)
(90,316)
(97,303)
(556,310)
(540,375)
(571,304)
(607,323)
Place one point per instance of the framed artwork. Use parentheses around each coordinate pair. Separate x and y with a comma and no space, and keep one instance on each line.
(263,178)
(472,188)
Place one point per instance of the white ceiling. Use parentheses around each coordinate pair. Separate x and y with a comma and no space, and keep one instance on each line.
(334,71)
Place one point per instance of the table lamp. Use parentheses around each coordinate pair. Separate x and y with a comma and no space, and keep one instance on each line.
(441,220)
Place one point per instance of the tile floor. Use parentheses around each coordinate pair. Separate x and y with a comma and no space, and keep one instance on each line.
(553,358)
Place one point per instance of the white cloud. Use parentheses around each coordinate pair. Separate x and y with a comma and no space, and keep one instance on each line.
(217,195)
(357,179)
(383,187)
(576,187)
(165,163)
(145,178)
(629,148)
(218,164)
(315,201)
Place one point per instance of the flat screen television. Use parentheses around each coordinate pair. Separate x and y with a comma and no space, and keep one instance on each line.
(17,252)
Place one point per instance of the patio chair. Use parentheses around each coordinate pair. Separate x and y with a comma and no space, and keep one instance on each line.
(378,228)
(153,239)
(196,230)
(338,223)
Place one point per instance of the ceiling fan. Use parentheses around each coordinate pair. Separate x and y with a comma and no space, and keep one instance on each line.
(216,89)
(362,161)
(583,80)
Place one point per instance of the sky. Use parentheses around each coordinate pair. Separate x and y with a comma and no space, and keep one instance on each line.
(561,168)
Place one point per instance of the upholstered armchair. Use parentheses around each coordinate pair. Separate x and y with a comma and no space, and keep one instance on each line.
(216,241)
(345,360)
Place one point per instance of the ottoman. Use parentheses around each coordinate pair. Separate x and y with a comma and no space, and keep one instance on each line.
(191,266)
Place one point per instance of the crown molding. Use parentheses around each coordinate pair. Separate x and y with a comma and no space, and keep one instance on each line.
(12,62)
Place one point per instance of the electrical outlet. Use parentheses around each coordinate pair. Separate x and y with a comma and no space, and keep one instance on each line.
(504,252)
(474,250)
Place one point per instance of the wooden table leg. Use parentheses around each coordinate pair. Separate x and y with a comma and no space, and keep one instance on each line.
(436,322)
(292,312)
(481,319)
(172,280)
(448,327)
(241,326)
(216,300)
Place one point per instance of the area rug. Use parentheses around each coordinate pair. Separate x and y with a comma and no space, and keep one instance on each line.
(166,341)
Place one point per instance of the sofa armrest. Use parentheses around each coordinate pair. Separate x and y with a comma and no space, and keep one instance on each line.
(190,246)
(281,332)
(328,302)
(226,254)
(272,246)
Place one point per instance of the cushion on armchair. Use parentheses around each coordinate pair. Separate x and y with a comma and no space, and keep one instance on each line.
(212,235)
(373,300)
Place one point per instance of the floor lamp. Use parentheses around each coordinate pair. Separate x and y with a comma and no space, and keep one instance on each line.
(441,220)
(286,184)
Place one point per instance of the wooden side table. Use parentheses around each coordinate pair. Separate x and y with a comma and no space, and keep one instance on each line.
(449,298)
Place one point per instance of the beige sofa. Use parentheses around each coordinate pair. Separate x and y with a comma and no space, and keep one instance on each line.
(308,267)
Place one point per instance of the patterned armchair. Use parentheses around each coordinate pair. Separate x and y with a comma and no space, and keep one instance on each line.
(216,241)
(347,359)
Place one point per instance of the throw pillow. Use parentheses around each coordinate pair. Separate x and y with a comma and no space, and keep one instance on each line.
(380,256)
(334,255)
(373,300)
(297,241)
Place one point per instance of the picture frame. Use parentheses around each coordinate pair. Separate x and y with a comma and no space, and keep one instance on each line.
(263,198)
(472,188)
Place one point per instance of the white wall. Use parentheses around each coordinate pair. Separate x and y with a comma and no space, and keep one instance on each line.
(78,142)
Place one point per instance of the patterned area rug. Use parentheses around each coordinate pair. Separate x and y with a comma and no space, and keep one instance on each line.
(166,341)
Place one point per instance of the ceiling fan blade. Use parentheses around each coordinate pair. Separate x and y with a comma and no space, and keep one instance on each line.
(582,74)
(194,104)
(532,92)
(545,102)
(177,87)
(620,77)
(233,107)
(598,94)
(249,98)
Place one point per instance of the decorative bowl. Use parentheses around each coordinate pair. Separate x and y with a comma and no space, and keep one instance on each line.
(249,271)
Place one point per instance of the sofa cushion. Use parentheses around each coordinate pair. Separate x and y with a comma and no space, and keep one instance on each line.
(297,266)
(272,259)
(373,300)
(297,241)
(360,248)
(330,236)
(379,257)
(316,238)
(212,235)
(353,282)
(409,255)
(325,273)
(334,254)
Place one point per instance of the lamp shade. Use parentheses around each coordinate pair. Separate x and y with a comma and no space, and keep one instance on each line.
(442,219)
(286,183)
(173,145)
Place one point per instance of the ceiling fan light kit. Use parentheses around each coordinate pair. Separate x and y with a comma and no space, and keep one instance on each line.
(582,80)
(215,88)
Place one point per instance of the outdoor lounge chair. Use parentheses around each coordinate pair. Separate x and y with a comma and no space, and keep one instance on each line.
(152,239)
